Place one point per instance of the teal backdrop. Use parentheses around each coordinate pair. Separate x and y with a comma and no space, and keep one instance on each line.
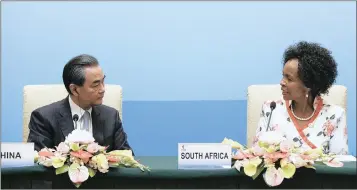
(184,66)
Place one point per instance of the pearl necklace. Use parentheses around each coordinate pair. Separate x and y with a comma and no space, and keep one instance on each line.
(300,118)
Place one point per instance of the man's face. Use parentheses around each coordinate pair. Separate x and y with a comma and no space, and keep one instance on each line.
(93,89)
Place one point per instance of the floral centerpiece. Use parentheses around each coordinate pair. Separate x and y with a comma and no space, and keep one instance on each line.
(277,157)
(82,157)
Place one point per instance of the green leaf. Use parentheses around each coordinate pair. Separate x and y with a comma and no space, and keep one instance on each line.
(74,146)
(259,170)
(74,166)
(113,164)
(91,172)
(319,163)
(83,146)
(310,166)
(77,184)
(62,169)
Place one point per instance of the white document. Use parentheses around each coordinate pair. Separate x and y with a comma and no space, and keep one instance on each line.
(345,158)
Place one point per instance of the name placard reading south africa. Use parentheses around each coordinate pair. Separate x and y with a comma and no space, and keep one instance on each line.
(17,154)
(204,156)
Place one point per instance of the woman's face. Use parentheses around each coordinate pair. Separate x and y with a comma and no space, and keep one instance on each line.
(291,86)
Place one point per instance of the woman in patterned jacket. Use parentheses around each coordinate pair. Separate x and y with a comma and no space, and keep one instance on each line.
(302,115)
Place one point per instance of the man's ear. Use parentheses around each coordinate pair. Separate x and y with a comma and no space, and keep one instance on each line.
(73,89)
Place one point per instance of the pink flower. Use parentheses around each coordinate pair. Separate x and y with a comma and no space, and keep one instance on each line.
(45,152)
(93,148)
(248,153)
(276,156)
(63,148)
(257,150)
(273,177)
(269,161)
(328,128)
(83,155)
(239,156)
(78,174)
(334,163)
(243,154)
(286,146)
(112,159)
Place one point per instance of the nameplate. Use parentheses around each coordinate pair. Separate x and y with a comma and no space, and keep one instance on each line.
(17,154)
(204,156)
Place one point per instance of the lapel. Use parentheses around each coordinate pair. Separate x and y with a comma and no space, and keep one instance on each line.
(97,124)
(65,120)
(66,123)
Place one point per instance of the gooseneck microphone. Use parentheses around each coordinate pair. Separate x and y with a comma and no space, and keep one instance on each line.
(272,107)
(75,119)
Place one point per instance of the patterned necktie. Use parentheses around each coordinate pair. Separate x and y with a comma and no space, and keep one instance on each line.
(86,119)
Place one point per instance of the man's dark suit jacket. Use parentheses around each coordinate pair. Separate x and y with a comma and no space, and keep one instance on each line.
(51,124)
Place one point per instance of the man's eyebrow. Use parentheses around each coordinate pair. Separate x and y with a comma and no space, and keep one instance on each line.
(98,81)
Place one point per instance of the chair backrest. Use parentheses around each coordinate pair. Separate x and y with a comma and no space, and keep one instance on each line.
(35,96)
(257,94)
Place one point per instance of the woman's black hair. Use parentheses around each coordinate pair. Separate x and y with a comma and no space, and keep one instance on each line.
(317,68)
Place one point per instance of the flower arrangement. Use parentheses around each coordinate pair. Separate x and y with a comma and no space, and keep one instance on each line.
(82,157)
(278,157)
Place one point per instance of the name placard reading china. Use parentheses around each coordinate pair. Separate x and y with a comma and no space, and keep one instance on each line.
(17,154)
(204,156)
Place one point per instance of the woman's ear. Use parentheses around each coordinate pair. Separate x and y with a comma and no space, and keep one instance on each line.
(308,90)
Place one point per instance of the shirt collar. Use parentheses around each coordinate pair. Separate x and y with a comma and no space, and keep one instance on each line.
(75,109)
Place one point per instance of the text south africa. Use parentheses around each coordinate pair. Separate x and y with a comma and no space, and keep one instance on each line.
(208,155)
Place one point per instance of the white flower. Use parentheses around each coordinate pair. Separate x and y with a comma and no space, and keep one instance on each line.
(273,177)
(45,161)
(272,137)
(77,173)
(233,144)
(297,160)
(101,162)
(63,148)
(80,136)
(240,163)
(93,148)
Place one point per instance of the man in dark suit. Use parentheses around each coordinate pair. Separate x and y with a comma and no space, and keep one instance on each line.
(82,109)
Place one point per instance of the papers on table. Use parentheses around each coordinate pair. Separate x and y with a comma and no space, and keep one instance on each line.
(345,158)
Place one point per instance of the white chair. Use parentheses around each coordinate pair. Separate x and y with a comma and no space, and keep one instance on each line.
(257,94)
(35,96)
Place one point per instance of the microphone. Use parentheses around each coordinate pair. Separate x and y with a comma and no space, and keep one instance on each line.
(272,107)
(75,119)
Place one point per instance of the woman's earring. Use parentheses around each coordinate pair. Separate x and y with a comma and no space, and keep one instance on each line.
(307,95)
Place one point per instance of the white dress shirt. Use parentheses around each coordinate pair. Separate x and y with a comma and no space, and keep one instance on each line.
(75,109)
